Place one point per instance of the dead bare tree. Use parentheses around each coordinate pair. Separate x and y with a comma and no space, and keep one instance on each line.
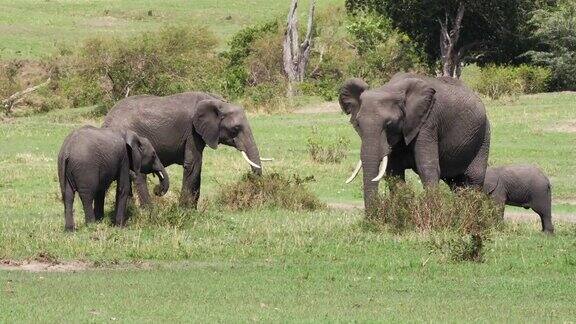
(451,56)
(296,55)
(17,97)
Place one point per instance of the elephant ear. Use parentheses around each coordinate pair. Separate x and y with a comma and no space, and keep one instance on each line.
(134,148)
(207,120)
(418,101)
(491,181)
(350,95)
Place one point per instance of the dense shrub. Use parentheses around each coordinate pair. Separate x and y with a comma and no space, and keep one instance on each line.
(174,59)
(323,151)
(164,215)
(465,218)
(395,54)
(243,44)
(498,81)
(555,29)
(271,190)
(363,45)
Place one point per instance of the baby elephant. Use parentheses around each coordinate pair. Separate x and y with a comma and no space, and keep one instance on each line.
(523,186)
(91,158)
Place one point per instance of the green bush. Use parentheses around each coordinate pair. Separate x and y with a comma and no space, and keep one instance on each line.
(395,54)
(237,76)
(268,191)
(174,59)
(369,30)
(498,81)
(465,218)
(363,45)
(555,29)
(322,152)
(163,215)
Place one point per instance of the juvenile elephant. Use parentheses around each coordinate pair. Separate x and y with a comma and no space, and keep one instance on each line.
(522,186)
(437,128)
(92,158)
(179,127)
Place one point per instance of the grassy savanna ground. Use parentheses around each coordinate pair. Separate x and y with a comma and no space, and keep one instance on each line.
(271,264)
(57,23)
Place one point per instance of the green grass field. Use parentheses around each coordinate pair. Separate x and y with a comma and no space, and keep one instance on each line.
(34,28)
(276,265)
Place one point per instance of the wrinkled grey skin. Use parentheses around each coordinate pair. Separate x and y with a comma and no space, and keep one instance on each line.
(436,127)
(523,186)
(179,127)
(92,158)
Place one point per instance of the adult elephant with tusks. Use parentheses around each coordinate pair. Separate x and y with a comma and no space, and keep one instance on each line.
(436,127)
(179,127)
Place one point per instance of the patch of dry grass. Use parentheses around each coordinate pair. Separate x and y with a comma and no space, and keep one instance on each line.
(271,191)
(465,218)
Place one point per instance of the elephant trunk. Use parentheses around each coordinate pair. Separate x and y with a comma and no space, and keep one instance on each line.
(162,175)
(373,153)
(246,144)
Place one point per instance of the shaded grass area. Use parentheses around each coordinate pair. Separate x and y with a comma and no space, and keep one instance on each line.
(32,28)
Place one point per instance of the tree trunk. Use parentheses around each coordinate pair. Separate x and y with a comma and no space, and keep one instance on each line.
(450,56)
(295,55)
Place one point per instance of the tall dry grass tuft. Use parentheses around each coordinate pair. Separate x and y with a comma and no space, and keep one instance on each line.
(272,191)
(458,223)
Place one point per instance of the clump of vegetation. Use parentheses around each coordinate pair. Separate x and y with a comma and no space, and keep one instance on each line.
(555,29)
(268,191)
(466,218)
(322,151)
(498,81)
(163,215)
(172,60)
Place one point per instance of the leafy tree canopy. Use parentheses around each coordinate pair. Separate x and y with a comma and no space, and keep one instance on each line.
(495,31)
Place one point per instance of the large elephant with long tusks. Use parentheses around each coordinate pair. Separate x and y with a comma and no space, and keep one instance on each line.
(179,127)
(436,127)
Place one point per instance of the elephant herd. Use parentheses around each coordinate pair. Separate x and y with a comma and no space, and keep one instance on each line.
(436,127)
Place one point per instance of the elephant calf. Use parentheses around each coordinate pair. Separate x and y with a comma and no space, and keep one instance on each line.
(523,186)
(91,158)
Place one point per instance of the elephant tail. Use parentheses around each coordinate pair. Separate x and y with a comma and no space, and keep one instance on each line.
(63,174)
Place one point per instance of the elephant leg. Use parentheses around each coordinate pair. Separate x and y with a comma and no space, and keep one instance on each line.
(99,205)
(427,160)
(69,207)
(88,204)
(476,171)
(395,171)
(142,189)
(192,173)
(543,207)
(123,191)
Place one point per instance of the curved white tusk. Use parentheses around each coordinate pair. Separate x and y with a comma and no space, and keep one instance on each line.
(248,160)
(266,159)
(382,169)
(160,176)
(355,172)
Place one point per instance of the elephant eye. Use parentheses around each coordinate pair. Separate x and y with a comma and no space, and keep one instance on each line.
(235,130)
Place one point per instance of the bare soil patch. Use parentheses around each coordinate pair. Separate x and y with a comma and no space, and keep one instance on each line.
(44,266)
(568,126)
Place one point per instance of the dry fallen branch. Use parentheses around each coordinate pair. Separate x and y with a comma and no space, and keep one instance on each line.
(14,99)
